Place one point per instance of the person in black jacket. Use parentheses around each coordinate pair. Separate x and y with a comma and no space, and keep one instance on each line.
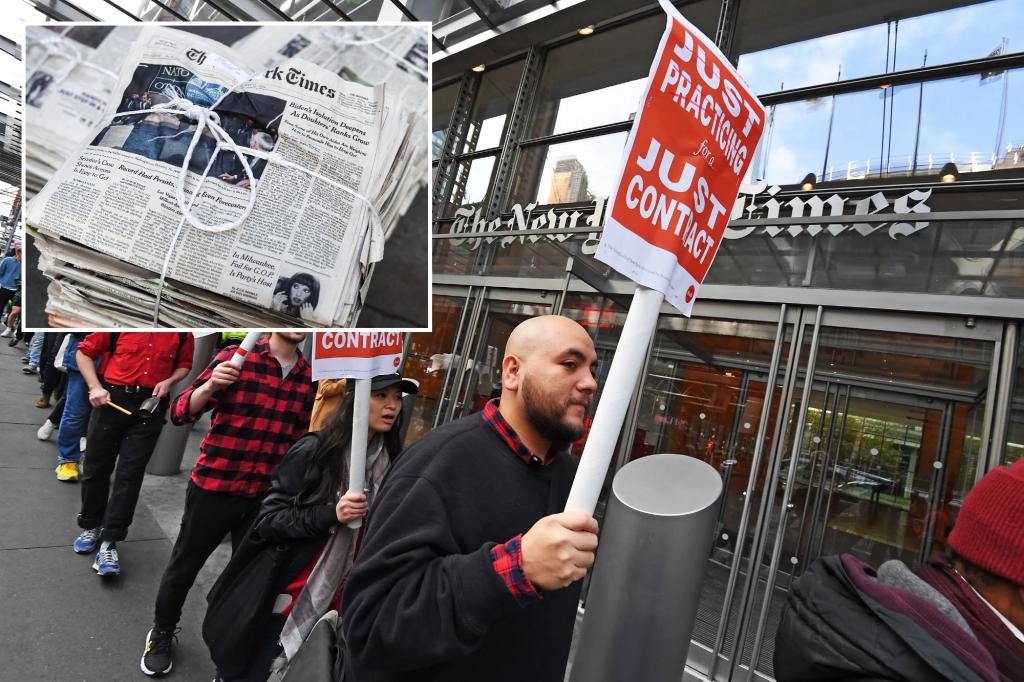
(468,569)
(307,509)
(959,617)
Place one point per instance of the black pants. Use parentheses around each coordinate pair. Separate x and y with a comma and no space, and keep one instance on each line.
(57,412)
(52,377)
(207,518)
(127,442)
(6,296)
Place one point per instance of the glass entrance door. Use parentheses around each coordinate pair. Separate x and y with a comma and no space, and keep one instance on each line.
(875,458)
(866,481)
(890,445)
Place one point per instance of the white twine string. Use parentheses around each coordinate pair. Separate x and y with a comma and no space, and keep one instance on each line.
(207,118)
(204,118)
(62,47)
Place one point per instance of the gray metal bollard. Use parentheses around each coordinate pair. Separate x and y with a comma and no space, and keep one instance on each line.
(170,447)
(650,565)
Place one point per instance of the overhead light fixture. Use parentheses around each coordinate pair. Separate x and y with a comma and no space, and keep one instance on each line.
(807,184)
(479,68)
(586,30)
(949,173)
(885,86)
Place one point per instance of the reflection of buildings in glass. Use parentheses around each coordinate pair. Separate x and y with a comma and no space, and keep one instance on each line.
(1011,159)
(568,182)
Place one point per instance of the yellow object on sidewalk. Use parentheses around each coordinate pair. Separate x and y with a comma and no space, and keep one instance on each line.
(68,471)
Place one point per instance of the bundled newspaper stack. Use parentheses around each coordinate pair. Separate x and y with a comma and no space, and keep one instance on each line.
(218,189)
(392,56)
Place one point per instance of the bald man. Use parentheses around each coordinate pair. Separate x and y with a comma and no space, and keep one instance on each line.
(468,570)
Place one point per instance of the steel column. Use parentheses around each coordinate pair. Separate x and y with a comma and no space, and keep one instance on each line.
(755,466)
(444,176)
(1002,410)
(780,532)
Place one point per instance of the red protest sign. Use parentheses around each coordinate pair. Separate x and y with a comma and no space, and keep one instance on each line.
(688,150)
(356,355)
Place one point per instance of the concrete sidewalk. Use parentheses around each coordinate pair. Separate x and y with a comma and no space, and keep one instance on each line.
(60,620)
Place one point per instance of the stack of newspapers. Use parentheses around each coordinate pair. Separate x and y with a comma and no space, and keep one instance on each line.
(70,82)
(183,183)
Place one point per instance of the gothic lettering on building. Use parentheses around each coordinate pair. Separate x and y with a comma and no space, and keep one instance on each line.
(750,204)
(468,219)
(755,202)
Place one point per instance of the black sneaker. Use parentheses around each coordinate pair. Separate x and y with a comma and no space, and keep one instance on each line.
(156,660)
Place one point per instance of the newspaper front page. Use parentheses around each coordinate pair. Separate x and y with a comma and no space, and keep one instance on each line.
(301,251)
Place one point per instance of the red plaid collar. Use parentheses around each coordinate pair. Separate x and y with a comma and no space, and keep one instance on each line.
(493,418)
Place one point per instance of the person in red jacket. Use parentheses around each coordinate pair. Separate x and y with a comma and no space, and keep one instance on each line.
(139,365)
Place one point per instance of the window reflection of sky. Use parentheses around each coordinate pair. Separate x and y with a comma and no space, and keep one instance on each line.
(599,156)
(964,33)
(612,104)
(960,121)
(960,117)
(479,179)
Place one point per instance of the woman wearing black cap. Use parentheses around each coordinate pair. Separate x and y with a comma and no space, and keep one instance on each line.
(307,509)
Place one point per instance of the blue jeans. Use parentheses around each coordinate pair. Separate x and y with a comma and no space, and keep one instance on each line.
(35,349)
(75,420)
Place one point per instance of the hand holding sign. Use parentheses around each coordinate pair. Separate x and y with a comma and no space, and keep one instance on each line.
(558,549)
(224,374)
(351,507)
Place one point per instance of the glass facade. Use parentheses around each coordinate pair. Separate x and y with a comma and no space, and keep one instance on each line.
(897,131)
(938,37)
(904,397)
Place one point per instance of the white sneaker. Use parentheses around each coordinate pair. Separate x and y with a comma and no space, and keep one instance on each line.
(7,332)
(46,430)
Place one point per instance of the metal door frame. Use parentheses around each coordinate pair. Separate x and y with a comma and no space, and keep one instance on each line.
(1001,334)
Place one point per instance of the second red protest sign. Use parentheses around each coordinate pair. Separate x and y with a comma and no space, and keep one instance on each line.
(356,355)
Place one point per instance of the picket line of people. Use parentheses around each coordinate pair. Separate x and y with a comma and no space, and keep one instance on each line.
(279,490)
(464,567)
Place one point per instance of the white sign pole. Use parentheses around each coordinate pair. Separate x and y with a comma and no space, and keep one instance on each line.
(641,321)
(360,429)
(248,343)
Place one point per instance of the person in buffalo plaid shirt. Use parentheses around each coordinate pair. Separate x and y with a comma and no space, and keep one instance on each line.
(258,412)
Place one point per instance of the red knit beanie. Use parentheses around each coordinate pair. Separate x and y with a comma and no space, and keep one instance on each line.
(989,531)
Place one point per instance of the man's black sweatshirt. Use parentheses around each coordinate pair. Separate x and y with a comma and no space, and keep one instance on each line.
(424,602)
